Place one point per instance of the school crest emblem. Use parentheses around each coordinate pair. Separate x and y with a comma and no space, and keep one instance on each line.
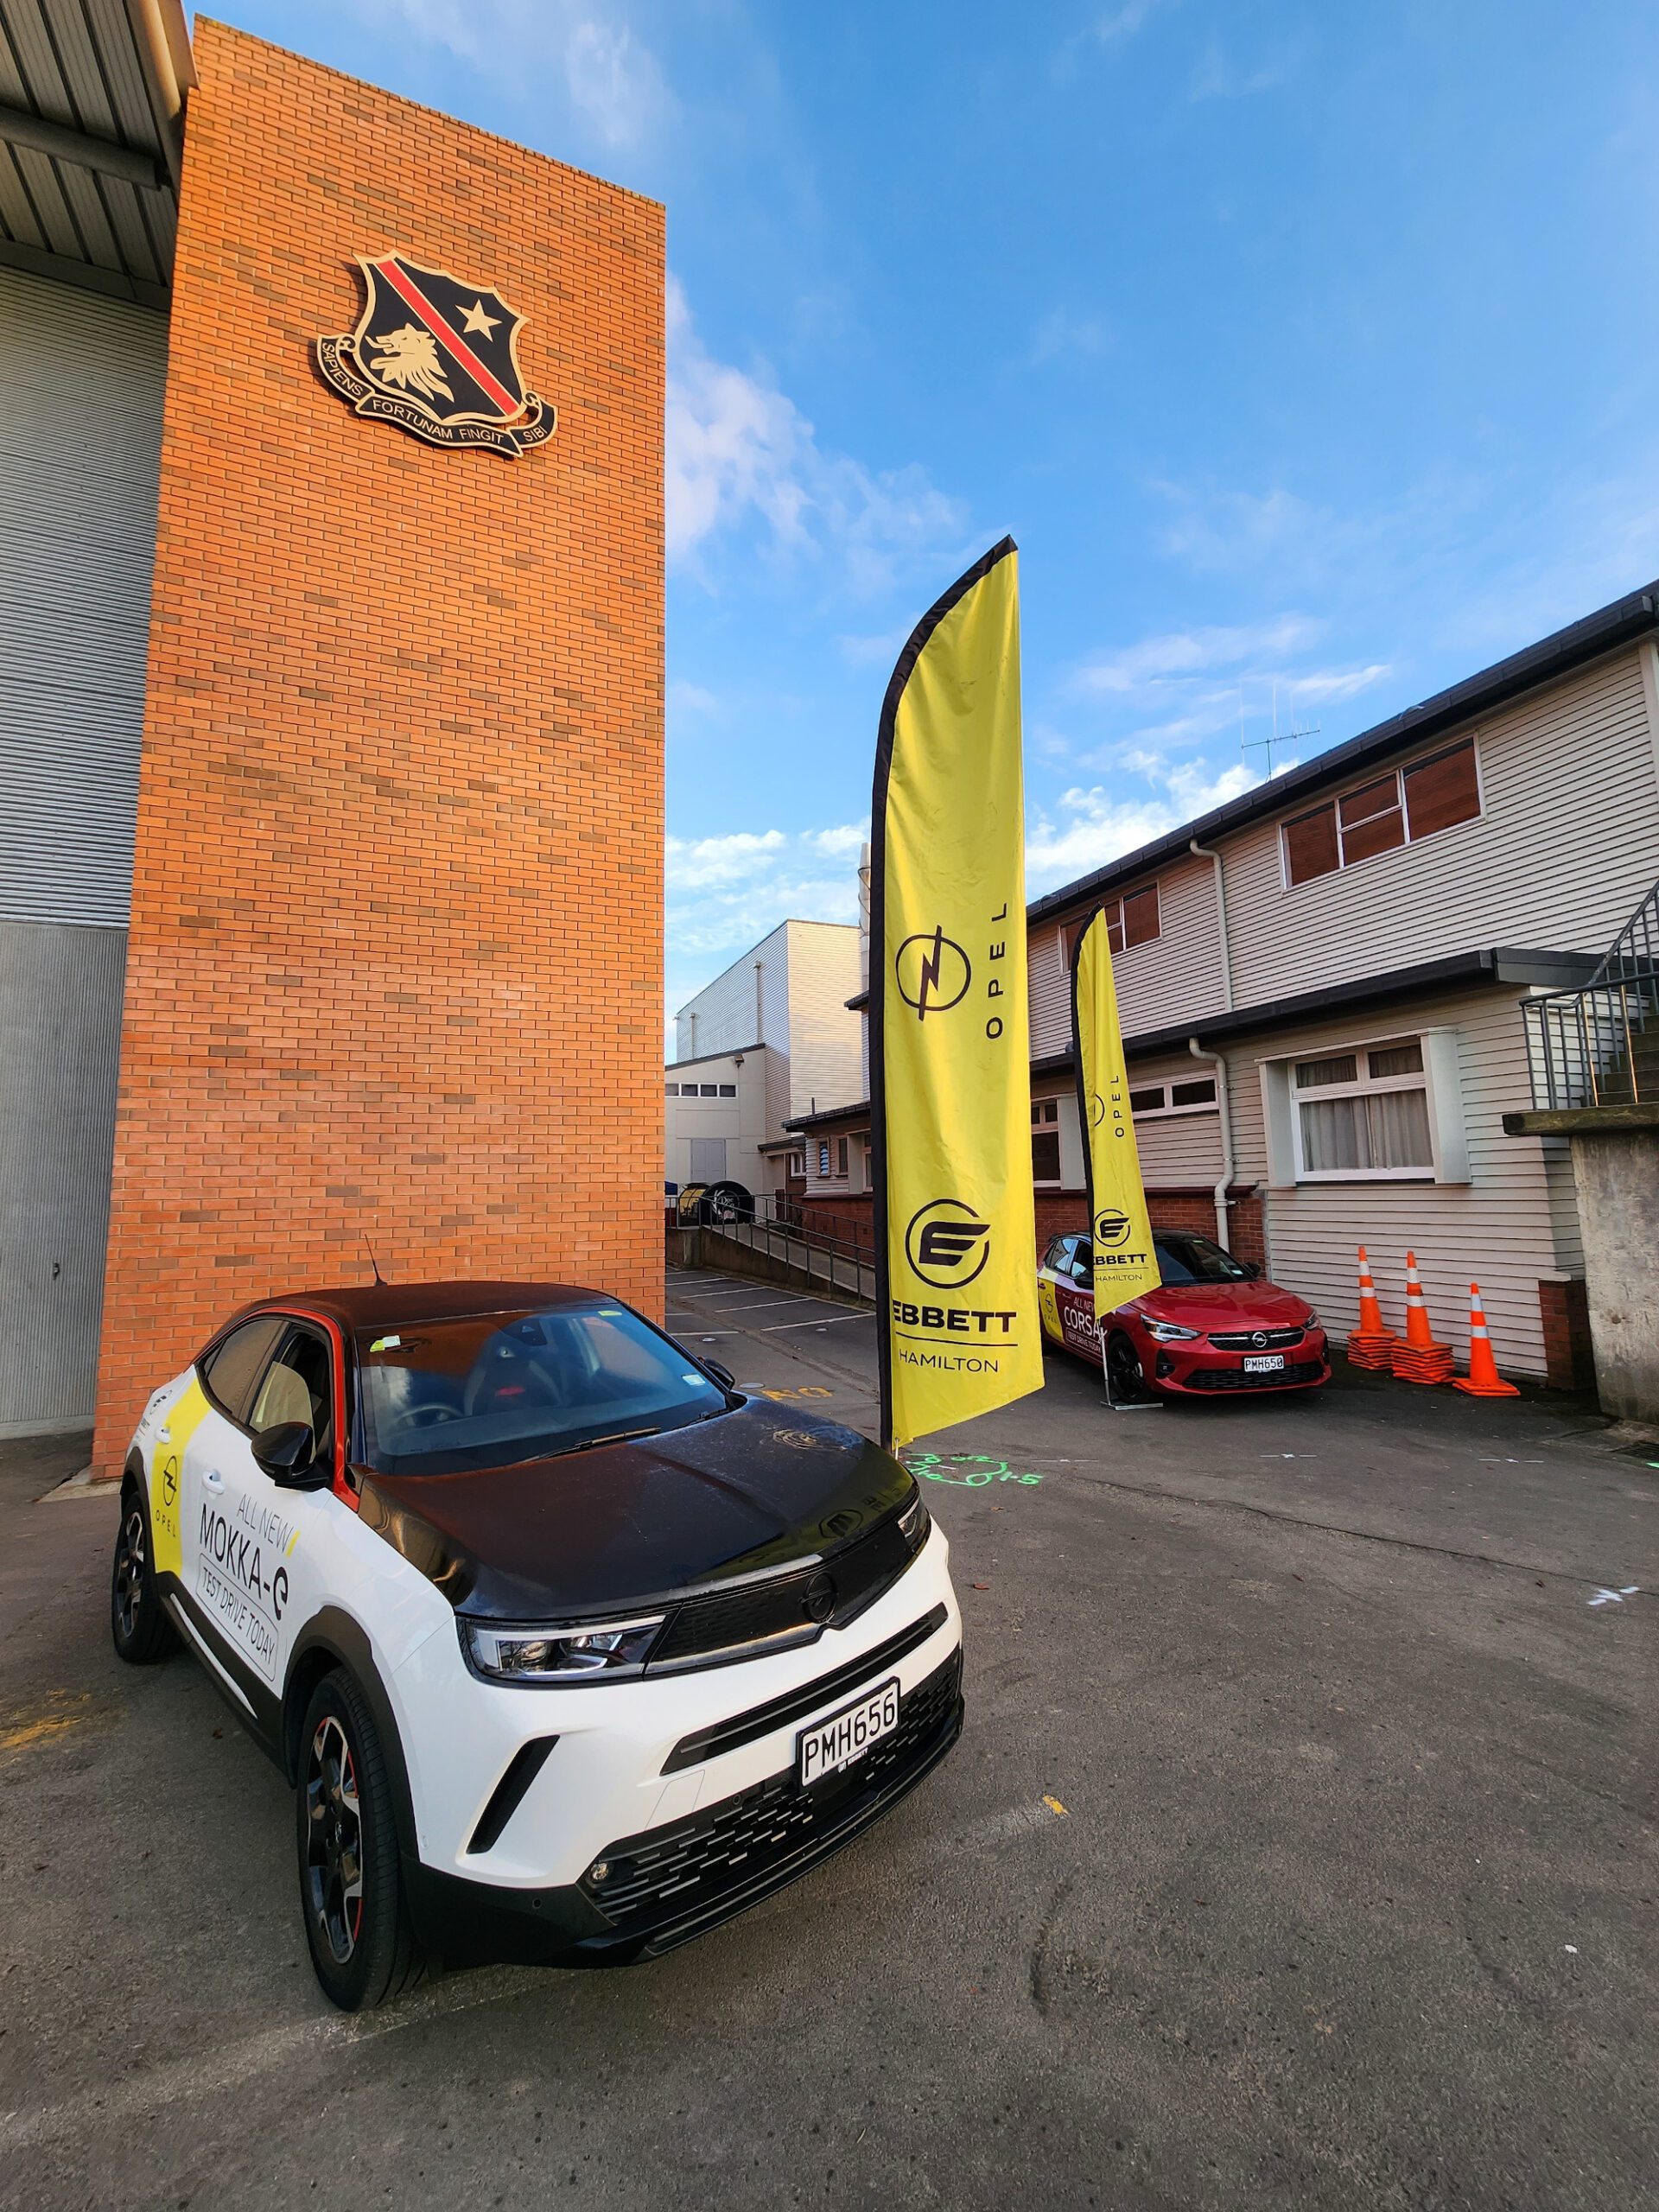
(437,357)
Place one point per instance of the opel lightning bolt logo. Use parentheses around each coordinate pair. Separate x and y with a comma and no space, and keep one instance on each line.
(1096,1110)
(932,972)
(1111,1228)
(820,1600)
(170,1481)
(941,1241)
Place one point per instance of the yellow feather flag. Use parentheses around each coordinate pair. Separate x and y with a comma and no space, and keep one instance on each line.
(1125,1263)
(956,1230)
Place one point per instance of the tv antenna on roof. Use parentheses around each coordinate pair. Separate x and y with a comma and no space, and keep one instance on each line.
(1293,735)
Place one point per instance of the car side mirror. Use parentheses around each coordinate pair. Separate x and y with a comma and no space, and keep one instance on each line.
(1082,1272)
(716,1373)
(286,1452)
(1252,1270)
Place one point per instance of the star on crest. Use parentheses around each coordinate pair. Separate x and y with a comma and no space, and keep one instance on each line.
(477,321)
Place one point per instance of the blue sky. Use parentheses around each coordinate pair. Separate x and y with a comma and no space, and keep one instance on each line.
(1308,351)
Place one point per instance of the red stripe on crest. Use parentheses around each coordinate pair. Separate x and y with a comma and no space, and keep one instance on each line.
(451,341)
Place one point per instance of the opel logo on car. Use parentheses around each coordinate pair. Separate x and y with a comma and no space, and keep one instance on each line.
(943,1239)
(820,1600)
(932,972)
(1111,1228)
(1258,1337)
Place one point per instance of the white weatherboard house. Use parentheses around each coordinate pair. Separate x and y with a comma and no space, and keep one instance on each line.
(1321,986)
(771,1037)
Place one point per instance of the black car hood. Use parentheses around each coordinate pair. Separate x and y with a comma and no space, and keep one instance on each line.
(628,1524)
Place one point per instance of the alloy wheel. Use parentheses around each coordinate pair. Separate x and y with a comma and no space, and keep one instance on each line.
(1123,1368)
(130,1571)
(334,1839)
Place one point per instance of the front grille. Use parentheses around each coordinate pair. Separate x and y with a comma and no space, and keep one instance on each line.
(777,1712)
(1235,1378)
(655,1881)
(1257,1339)
(775,1612)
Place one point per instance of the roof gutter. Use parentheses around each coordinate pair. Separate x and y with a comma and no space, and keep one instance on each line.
(162,38)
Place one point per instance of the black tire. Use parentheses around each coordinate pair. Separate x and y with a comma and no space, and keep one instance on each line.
(352,1898)
(1124,1370)
(139,1626)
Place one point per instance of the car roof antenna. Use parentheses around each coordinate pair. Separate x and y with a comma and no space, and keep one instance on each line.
(379,1280)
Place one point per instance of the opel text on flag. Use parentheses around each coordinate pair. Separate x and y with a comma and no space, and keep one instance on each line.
(1125,1263)
(949,1069)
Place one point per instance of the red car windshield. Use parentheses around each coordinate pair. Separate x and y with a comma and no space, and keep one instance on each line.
(1195,1259)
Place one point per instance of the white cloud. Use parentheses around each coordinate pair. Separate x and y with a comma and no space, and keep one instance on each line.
(882,648)
(1182,654)
(739,451)
(1061,333)
(1219,78)
(696,863)
(690,701)
(1098,825)
(610,81)
(834,844)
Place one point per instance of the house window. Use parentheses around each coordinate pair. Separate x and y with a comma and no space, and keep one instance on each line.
(1133,919)
(728,1091)
(1184,1097)
(1045,1140)
(710,1089)
(795,1164)
(673,1090)
(840,1155)
(1362,1113)
(1394,810)
(823,1156)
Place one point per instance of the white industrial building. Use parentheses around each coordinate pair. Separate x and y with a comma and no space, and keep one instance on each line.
(770,1038)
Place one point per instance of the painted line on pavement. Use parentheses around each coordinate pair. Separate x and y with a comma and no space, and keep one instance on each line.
(776,1328)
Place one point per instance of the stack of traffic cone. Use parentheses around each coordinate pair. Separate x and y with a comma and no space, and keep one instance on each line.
(1371,1344)
(1483,1380)
(1420,1360)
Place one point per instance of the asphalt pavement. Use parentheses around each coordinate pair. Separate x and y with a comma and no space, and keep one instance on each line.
(1299,1851)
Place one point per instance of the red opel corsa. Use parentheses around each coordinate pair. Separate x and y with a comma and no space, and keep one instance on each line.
(1213,1325)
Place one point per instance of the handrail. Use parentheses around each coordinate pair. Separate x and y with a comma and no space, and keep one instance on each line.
(1633,955)
(1599,1045)
(777,1217)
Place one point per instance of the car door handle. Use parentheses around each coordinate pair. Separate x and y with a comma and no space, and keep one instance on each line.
(212,1480)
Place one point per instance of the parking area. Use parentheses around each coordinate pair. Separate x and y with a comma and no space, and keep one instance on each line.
(1299,1851)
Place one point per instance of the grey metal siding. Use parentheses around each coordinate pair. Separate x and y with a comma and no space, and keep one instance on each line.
(80,417)
(60,1046)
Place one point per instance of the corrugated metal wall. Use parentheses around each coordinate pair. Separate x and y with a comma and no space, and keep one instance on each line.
(80,415)
(81,427)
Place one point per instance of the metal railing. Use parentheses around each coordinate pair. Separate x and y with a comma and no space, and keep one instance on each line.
(774,1222)
(1599,1045)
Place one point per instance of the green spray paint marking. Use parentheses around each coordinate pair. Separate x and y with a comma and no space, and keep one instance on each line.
(973,1469)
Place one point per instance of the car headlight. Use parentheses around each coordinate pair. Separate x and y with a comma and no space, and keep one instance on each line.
(1171,1332)
(1312,1321)
(560,1651)
(914,1524)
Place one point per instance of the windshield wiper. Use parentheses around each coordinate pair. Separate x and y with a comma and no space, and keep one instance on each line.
(616,1436)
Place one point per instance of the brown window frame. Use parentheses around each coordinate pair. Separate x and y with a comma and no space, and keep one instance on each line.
(1333,826)
(1118,923)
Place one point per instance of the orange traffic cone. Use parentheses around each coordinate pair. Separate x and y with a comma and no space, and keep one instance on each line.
(1371,1343)
(1483,1380)
(1420,1360)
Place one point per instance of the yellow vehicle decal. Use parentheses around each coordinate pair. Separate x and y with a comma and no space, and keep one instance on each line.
(1049,1306)
(167,1477)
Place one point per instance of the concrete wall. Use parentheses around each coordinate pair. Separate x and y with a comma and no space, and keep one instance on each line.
(60,1023)
(1617,1178)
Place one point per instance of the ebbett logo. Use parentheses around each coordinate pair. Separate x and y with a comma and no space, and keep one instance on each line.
(1111,1228)
(946,1246)
(932,972)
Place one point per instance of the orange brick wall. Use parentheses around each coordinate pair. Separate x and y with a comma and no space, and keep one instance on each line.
(395,956)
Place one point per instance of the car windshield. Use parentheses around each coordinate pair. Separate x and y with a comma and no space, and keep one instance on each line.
(1195,1259)
(495,1389)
